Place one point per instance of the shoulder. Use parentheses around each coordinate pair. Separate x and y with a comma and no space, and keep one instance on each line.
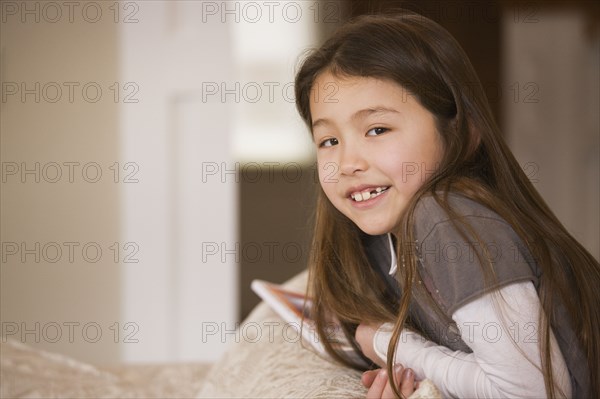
(429,214)
(467,252)
(468,223)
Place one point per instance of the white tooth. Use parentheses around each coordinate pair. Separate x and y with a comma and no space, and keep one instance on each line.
(358,197)
(366,195)
(378,189)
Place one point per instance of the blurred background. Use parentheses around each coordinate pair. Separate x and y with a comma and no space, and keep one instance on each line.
(153,163)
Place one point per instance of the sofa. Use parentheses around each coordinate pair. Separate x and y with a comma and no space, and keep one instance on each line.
(268,361)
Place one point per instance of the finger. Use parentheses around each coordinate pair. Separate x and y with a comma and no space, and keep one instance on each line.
(388,391)
(378,385)
(368,377)
(408,383)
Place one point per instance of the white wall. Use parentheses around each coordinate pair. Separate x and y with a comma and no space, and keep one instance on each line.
(174,293)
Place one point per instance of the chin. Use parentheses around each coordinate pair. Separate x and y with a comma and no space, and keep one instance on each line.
(374,230)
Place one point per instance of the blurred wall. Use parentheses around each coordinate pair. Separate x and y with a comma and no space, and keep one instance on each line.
(60,206)
(107,218)
(182,213)
(151,96)
(551,60)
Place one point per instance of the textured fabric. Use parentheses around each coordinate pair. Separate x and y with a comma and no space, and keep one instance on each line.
(271,363)
(30,373)
(277,366)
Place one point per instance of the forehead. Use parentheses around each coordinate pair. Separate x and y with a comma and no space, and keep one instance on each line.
(340,97)
(329,87)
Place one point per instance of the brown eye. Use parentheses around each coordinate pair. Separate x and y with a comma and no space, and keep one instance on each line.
(329,142)
(376,131)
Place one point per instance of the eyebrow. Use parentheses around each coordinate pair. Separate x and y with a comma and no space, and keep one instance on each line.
(359,115)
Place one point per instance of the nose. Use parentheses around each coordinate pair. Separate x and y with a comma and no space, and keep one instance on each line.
(352,159)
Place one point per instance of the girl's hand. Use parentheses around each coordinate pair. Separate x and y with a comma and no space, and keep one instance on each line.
(364,336)
(380,385)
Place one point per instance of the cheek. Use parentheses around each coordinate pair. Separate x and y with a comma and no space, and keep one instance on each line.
(410,172)
(328,173)
(412,168)
(400,165)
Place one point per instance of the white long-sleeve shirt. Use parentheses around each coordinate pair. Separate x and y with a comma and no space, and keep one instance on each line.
(501,329)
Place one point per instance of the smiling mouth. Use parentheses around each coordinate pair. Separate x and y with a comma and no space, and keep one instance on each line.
(360,196)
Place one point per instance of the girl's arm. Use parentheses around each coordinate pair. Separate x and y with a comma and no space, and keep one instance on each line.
(502,331)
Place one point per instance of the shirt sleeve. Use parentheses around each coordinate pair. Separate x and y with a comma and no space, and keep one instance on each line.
(464,256)
(501,329)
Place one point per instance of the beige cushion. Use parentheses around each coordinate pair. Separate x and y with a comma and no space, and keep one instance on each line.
(270,361)
(26,372)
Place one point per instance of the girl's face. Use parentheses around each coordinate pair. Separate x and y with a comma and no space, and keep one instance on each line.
(376,145)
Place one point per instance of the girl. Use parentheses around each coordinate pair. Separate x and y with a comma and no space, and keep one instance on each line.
(431,246)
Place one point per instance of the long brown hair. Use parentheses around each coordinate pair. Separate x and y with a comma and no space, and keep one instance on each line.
(426,60)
